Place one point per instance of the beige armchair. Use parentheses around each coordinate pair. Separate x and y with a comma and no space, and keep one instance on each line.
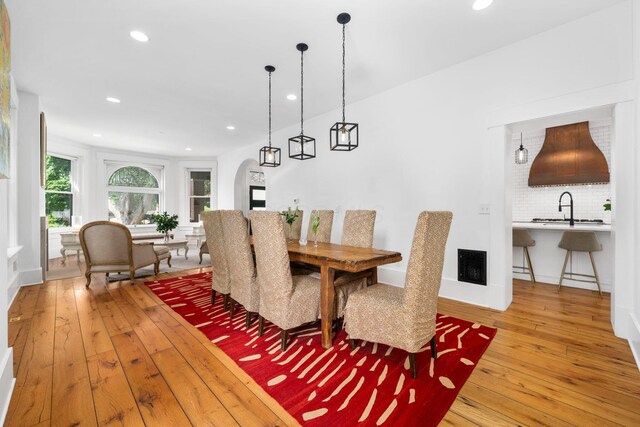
(242,271)
(324,228)
(204,249)
(220,282)
(285,300)
(108,248)
(405,318)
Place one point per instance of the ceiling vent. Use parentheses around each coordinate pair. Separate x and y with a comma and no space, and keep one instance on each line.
(569,157)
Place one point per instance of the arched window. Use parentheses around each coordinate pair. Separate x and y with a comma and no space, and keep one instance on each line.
(134,194)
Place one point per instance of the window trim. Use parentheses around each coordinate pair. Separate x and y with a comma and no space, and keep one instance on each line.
(187,189)
(75,198)
(157,170)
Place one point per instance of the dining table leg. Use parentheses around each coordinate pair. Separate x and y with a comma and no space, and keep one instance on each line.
(327,295)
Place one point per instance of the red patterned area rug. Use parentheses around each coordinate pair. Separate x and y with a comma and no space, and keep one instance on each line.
(370,385)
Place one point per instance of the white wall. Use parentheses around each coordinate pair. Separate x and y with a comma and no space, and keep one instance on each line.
(425,145)
(8,262)
(634,323)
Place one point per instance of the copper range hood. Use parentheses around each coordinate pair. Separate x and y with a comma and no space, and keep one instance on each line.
(569,157)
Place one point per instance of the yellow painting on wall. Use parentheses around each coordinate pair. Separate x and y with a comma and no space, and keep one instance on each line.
(5,89)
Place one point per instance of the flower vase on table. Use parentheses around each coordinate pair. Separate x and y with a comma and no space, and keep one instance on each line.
(315,223)
(166,236)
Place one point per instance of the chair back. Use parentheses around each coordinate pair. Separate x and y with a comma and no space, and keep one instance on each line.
(239,259)
(272,263)
(424,272)
(358,228)
(106,243)
(296,227)
(215,242)
(521,238)
(325,227)
(580,241)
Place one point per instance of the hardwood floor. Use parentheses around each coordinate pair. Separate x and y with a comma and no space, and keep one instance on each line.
(116,355)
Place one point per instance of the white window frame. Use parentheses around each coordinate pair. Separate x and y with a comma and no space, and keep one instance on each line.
(74,188)
(158,172)
(188,190)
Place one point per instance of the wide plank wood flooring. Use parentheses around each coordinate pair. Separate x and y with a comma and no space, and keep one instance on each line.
(116,355)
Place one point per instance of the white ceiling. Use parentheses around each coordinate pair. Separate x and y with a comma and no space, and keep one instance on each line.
(203,68)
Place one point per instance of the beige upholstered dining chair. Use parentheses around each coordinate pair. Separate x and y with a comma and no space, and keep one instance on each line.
(356,231)
(358,228)
(220,282)
(296,227)
(286,301)
(108,248)
(244,286)
(324,228)
(405,318)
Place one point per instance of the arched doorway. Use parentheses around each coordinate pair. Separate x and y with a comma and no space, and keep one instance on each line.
(249,187)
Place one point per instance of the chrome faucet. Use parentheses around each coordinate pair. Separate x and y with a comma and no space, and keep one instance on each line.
(560,206)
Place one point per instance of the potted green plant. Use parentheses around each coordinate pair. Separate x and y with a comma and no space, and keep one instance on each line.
(165,223)
(290,217)
(607,205)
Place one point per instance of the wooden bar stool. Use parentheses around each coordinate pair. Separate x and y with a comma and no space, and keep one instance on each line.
(522,239)
(580,241)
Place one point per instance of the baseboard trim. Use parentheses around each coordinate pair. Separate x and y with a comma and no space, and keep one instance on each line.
(634,339)
(7,383)
(552,280)
(31,277)
(12,291)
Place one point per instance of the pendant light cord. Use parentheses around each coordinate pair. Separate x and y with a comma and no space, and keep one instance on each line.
(269,110)
(301,92)
(343,72)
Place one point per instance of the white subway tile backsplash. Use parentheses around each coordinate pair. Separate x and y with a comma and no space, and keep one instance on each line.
(542,202)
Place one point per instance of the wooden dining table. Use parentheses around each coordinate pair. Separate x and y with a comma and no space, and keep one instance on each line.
(331,258)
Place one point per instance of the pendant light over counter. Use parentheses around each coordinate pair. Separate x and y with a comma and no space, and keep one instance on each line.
(343,136)
(522,154)
(270,156)
(302,147)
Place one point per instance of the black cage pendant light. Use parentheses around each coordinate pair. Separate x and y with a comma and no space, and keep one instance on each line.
(302,147)
(343,136)
(270,156)
(522,154)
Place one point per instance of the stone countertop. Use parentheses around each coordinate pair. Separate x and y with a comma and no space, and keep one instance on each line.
(561,226)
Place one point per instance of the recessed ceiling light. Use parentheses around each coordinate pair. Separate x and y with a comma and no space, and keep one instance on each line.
(161,132)
(139,36)
(114,100)
(187,149)
(230,127)
(97,135)
(481,4)
(292,97)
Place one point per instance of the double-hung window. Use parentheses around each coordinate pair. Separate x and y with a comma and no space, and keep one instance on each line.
(199,193)
(134,193)
(59,194)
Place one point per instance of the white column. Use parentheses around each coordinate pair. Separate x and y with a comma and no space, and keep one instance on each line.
(634,321)
(30,194)
(499,189)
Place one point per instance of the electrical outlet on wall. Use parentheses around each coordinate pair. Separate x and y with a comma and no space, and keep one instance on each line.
(484,209)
